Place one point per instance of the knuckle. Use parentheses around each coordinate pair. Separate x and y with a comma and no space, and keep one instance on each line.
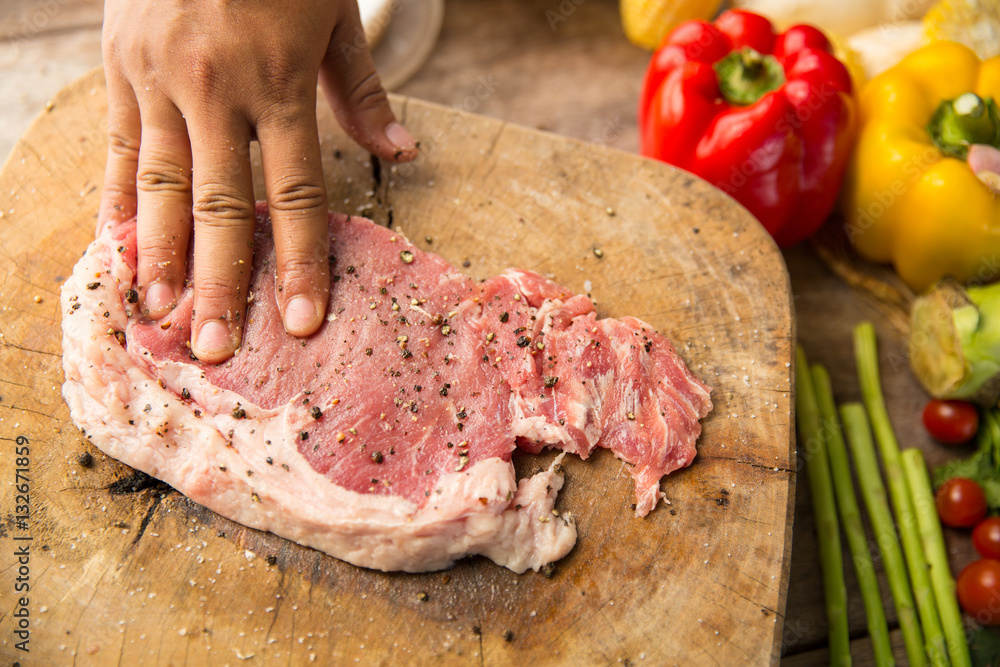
(304,264)
(109,49)
(122,145)
(283,107)
(216,296)
(161,176)
(280,112)
(296,195)
(215,206)
(204,73)
(368,93)
(214,287)
(161,249)
(281,75)
(114,42)
(301,271)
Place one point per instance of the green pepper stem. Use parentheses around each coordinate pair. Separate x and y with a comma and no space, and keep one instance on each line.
(964,121)
(747,75)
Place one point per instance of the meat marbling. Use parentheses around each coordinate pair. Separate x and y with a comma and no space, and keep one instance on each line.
(385,439)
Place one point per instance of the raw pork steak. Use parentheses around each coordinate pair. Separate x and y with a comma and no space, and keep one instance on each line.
(385,439)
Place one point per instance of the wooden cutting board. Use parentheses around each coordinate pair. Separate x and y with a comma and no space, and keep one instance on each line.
(125,571)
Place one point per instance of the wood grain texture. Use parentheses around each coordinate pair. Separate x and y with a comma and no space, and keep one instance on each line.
(147,577)
(578,78)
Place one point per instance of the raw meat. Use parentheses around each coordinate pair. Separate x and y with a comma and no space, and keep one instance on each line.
(386,438)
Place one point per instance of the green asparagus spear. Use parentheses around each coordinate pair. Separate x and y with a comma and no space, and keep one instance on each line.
(821,488)
(867,359)
(850,518)
(937,557)
(859,438)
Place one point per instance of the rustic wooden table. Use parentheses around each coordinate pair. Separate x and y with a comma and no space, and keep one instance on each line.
(563,67)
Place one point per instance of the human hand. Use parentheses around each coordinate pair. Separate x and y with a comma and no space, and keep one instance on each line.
(189,85)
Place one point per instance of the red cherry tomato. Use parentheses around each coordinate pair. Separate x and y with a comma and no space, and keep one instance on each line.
(961,503)
(951,422)
(986,538)
(979,591)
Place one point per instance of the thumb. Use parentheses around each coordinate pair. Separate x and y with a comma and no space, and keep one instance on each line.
(355,93)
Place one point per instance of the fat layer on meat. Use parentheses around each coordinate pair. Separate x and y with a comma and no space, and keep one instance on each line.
(386,438)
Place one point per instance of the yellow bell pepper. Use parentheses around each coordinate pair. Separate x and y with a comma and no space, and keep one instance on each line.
(647,22)
(910,196)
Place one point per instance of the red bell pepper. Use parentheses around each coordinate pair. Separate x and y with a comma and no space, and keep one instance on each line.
(768,118)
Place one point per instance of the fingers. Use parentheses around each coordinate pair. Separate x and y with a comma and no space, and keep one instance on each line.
(223,208)
(296,197)
(118,200)
(356,95)
(163,182)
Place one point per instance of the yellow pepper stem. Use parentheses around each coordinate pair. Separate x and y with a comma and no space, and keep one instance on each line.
(963,122)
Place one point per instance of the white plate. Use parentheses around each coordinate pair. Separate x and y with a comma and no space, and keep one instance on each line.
(375,17)
(408,38)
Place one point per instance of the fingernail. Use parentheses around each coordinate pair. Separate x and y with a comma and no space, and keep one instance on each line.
(213,339)
(159,299)
(299,315)
(399,137)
